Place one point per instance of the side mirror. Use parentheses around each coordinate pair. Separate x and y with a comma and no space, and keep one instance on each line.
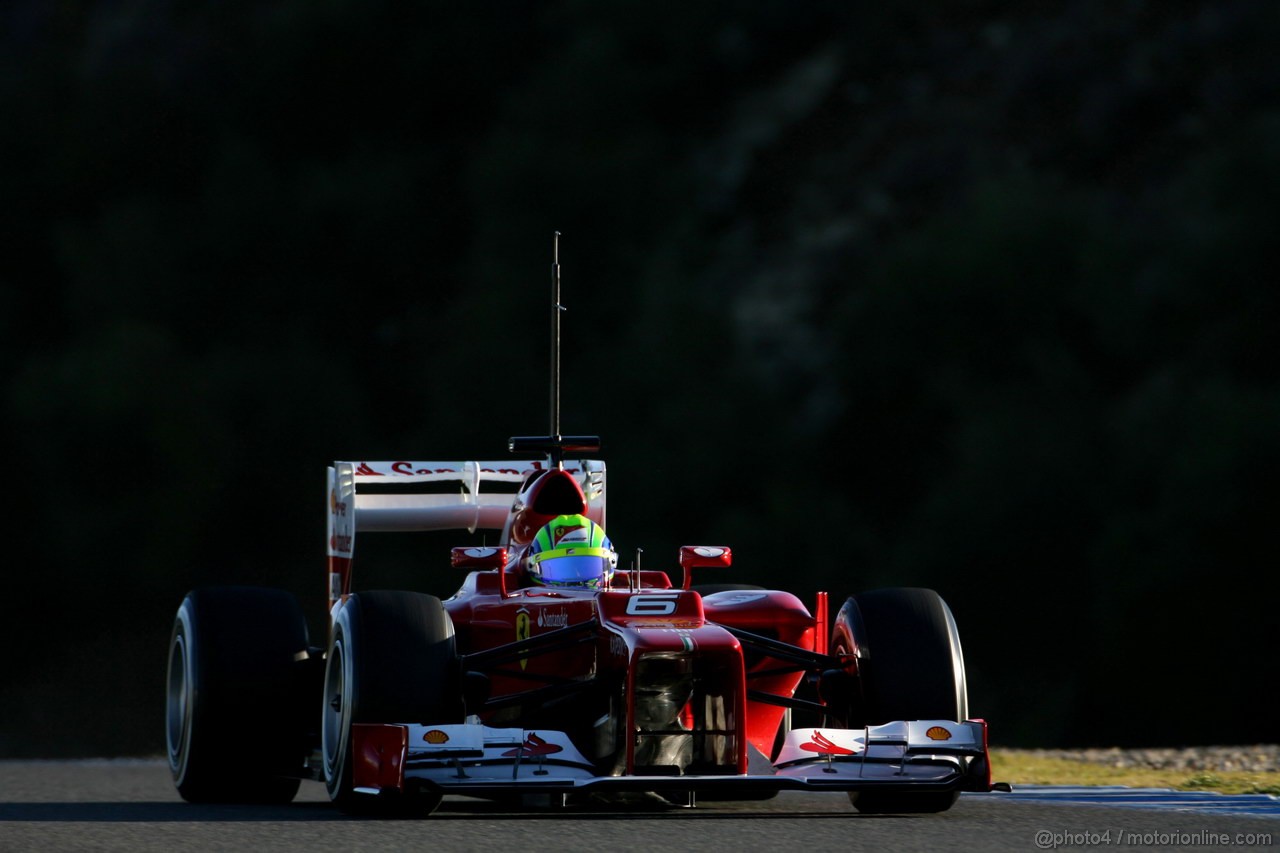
(703,557)
(479,558)
(482,558)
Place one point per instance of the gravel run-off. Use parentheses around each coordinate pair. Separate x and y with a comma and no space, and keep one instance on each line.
(1259,758)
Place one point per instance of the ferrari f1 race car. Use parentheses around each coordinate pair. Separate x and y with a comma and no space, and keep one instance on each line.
(551,673)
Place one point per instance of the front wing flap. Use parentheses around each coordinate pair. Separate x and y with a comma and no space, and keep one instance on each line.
(474,759)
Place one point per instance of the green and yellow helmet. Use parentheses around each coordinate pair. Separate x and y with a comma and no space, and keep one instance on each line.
(572,550)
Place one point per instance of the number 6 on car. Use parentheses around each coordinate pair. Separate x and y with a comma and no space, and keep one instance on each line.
(659,604)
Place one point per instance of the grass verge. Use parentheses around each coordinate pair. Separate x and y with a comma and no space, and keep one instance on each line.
(1029,768)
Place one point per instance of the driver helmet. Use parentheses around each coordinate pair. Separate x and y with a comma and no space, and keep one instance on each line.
(572,551)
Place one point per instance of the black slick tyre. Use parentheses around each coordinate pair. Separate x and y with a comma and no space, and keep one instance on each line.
(706,589)
(909,667)
(391,659)
(909,662)
(236,709)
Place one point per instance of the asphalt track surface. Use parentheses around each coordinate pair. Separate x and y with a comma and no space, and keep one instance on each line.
(131,805)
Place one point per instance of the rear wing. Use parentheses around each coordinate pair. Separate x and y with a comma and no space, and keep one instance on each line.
(417,496)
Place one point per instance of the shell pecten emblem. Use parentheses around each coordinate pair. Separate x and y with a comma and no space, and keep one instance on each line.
(435,736)
(938,733)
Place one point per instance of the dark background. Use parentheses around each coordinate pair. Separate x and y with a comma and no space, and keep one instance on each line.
(972,296)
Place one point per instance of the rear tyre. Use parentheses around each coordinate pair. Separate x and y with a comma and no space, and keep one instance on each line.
(236,705)
(706,589)
(909,667)
(391,659)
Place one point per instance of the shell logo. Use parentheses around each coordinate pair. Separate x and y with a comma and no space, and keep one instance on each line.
(435,736)
(937,733)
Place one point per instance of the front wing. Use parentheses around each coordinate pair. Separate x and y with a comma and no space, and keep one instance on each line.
(474,759)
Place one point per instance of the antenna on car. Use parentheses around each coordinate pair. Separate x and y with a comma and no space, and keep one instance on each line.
(555,445)
(556,310)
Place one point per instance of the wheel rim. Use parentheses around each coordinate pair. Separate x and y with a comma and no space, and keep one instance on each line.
(178,703)
(957,668)
(337,714)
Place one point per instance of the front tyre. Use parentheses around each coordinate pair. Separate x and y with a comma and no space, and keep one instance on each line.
(909,662)
(235,708)
(391,659)
(889,802)
(909,667)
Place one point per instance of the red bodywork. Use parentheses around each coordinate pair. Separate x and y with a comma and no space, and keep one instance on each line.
(633,630)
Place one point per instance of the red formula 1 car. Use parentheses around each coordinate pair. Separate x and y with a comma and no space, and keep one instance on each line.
(519,685)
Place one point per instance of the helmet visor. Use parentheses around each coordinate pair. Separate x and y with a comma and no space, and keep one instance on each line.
(576,566)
